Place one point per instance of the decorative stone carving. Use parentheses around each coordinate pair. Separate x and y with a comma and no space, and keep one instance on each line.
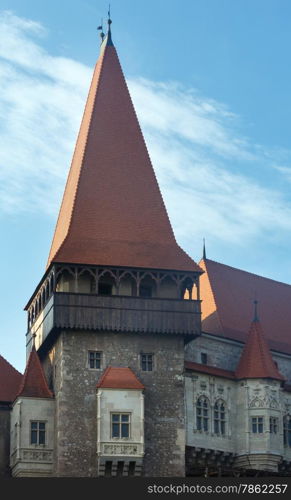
(36,455)
(256,403)
(266,402)
(121,449)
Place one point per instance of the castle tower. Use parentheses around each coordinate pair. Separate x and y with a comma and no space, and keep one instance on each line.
(113,295)
(260,440)
(32,424)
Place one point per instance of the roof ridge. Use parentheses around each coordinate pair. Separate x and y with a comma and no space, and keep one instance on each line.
(247,272)
(209,369)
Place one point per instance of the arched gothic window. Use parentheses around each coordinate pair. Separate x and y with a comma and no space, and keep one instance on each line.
(202,414)
(219,418)
(287,430)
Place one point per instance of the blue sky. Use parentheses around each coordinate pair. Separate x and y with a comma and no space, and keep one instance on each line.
(210,80)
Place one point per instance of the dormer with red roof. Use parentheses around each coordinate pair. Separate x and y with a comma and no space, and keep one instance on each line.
(120,422)
(32,424)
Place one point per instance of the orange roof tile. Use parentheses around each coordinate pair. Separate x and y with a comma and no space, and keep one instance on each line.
(256,360)
(34,384)
(227,297)
(210,370)
(119,378)
(10,380)
(112,211)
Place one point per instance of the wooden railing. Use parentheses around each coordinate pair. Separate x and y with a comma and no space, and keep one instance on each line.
(117,313)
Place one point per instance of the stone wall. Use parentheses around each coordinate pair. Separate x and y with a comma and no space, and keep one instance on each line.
(4,439)
(74,384)
(220,352)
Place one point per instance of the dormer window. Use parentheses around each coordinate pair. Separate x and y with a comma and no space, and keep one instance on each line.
(204,358)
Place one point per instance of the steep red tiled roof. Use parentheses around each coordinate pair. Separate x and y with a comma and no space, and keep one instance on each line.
(210,370)
(256,360)
(227,297)
(119,378)
(10,380)
(112,211)
(34,384)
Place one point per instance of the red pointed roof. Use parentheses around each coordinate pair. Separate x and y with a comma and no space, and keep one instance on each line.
(10,380)
(256,360)
(227,296)
(119,378)
(34,384)
(112,211)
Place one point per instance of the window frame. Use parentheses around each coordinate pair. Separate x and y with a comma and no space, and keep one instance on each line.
(219,418)
(203,358)
(120,423)
(38,431)
(273,425)
(203,420)
(88,359)
(147,361)
(258,423)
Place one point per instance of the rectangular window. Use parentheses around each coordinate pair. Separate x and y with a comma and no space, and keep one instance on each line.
(37,432)
(94,359)
(204,358)
(257,425)
(146,362)
(273,425)
(120,425)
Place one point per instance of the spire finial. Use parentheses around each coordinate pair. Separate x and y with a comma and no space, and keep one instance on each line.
(256,318)
(204,249)
(109,19)
(102,34)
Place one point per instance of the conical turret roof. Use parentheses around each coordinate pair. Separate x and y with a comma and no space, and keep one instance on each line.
(112,211)
(256,360)
(34,384)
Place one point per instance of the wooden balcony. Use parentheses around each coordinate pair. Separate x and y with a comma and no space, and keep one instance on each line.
(116,313)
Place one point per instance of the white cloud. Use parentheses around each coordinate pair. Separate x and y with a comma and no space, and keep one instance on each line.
(208,171)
